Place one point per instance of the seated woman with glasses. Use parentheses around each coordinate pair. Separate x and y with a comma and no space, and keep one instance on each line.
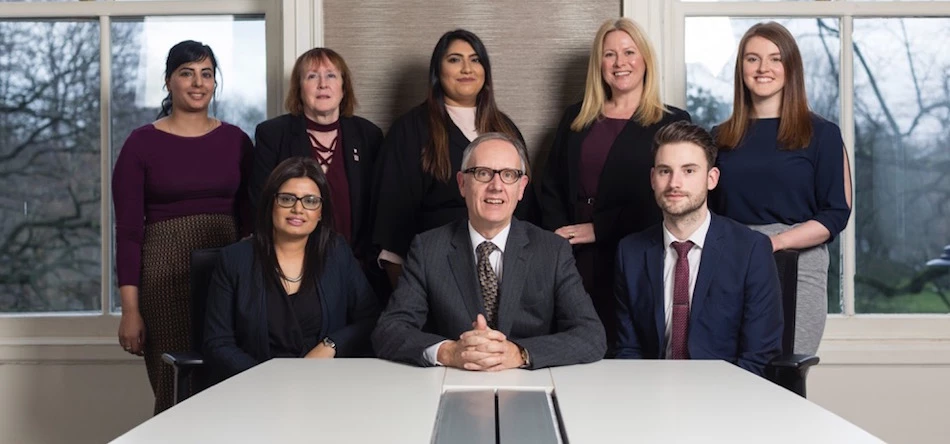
(294,289)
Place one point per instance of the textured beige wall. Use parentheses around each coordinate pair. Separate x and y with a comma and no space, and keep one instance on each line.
(538,52)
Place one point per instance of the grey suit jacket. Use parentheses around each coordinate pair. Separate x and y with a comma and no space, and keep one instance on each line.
(542,304)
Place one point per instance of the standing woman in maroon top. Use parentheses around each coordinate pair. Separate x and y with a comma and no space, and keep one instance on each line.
(177,186)
(596,187)
(321,125)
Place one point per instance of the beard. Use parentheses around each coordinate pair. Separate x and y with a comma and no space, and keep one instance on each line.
(684,208)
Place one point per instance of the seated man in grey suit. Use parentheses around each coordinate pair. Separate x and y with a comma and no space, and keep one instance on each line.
(490,292)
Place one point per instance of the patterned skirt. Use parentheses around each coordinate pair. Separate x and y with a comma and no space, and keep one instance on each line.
(164,294)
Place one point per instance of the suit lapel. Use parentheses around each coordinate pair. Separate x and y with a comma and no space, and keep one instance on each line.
(349,136)
(654,263)
(461,260)
(707,267)
(619,158)
(300,145)
(574,165)
(515,265)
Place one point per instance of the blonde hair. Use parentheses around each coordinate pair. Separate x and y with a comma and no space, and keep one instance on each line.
(596,92)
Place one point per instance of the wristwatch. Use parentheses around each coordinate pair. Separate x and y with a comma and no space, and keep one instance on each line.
(329,343)
(525,357)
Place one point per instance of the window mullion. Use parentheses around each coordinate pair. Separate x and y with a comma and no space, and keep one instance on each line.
(105,159)
(846,82)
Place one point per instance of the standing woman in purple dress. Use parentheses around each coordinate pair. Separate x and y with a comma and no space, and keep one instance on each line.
(178,186)
(784,170)
(596,189)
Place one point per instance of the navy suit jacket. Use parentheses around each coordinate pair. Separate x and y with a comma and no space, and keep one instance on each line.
(736,310)
(235,331)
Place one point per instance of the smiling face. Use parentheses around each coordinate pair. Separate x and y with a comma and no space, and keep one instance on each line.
(681,179)
(321,91)
(296,222)
(491,204)
(462,75)
(622,66)
(763,72)
(192,85)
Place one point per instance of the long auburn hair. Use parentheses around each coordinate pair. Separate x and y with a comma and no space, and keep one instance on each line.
(316,57)
(319,240)
(795,127)
(597,92)
(435,154)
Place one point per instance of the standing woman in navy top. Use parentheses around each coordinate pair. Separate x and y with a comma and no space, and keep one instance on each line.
(177,186)
(784,168)
(320,124)
(423,149)
(596,187)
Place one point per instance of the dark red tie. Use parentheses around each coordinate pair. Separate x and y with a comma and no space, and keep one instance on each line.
(680,330)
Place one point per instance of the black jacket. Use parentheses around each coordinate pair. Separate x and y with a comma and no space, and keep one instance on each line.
(235,330)
(286,136)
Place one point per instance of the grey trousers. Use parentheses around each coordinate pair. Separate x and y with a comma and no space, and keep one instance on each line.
(812,309)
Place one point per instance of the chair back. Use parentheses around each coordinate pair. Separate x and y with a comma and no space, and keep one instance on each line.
(203,263)
(787,263)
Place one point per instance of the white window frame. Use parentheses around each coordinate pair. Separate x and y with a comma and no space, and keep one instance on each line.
(850,338)
(92,336)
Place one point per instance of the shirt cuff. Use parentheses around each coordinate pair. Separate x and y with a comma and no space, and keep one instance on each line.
(388,256)
(431,354)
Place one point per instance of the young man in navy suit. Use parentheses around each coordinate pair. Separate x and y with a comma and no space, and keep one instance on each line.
(698,285)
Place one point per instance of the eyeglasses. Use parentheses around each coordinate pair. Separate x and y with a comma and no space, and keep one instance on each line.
(485,174)
(309,202)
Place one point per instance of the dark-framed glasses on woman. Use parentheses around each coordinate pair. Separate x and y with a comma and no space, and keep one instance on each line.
(309,202)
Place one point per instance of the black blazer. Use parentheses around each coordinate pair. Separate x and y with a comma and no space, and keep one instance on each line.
(286,136)
(542,305)
(236,335)
(411,201)
(624,203)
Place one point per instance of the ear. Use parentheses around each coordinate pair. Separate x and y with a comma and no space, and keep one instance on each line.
(712,178)
(653,178)
(460,178)
(522,185)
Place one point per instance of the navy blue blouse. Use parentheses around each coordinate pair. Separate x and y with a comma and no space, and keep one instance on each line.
(762,184)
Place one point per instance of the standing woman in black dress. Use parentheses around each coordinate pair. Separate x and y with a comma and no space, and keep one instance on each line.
(596,187)
(320,124)
(423,149)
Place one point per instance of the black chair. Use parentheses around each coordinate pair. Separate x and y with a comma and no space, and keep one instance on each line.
(188,365)
(789,370)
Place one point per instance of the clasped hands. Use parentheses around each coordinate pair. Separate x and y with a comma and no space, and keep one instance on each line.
(480,349)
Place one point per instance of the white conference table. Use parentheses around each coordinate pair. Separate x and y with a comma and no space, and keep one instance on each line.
(375,401)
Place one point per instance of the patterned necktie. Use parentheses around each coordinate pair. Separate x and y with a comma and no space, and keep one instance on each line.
(680,330)
(488,280)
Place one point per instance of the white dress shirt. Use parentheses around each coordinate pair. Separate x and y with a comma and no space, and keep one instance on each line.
(495,258)
(669,269)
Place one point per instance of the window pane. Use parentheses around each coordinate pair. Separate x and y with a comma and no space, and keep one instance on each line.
(711,45)
(139,49)
(49,167)
(902,164)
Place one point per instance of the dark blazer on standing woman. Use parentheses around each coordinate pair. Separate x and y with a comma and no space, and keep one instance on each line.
(411,201)
(624,203)
(286,136)
(236,333)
